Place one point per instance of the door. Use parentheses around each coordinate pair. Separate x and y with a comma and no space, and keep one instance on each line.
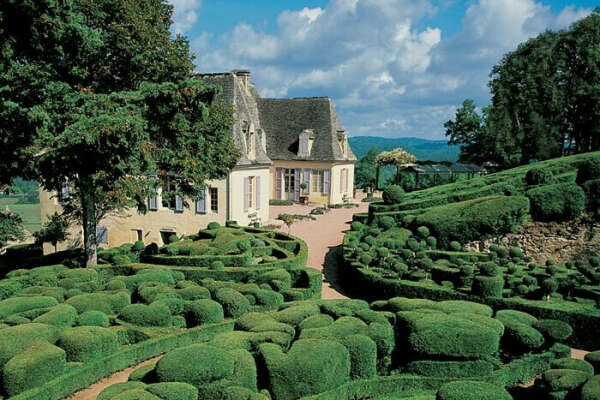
(289,181)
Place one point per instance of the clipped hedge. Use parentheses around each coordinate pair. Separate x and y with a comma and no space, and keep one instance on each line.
(86,343)
(469,390)
(559,202)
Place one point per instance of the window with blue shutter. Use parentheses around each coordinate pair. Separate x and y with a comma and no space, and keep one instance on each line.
(178,203)
(101,235)
(152,203)
(307,180)
(246,190)
(297,184)
(278,173)
(326,181)
(201,202)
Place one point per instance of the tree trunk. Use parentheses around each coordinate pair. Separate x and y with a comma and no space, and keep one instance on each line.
(377,178)
(89,222)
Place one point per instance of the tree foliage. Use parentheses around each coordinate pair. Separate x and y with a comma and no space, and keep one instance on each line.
(99,95)
(53,231)
(545,100)
(365,171)
(11,228)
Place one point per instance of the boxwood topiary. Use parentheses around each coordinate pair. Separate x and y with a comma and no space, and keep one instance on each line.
(588,170)
(559,202)
(539,176)
(204,311)
(521,338)
(593,358)
(213,225)
(386,223)
(62,316)
(114,390)
(558,380)
(572,363)
(173,390)
(455,246)
(553,329)
(363,356)
(86,343)
(488,286)
(234,303)
(470,390)
(393,194)
(155,314)
(16,339)
(591,389)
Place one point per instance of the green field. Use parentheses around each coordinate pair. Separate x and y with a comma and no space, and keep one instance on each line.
(29,212)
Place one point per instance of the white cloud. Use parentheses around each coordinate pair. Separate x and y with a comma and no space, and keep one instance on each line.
(184,14)
(386,76)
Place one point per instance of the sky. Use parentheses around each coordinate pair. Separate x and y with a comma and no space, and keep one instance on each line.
(394,68)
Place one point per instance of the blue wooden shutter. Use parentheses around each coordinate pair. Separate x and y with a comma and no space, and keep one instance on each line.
(101,235)
(326,181)
(307,180)
(257,189)
(152,203)
(297,184)
(246,190)
(178,203)
(201,202)
(278,183)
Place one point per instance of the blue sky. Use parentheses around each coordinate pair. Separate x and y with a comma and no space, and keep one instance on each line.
(392,67)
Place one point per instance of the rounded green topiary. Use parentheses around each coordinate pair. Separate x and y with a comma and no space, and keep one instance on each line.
(455,246)
(93,318)
(155,314)
(488,269)
(558,380)
(470,390)
(431,242)
(393,194)
(234,303)
(588,170)
(173,390)
(138,246)
(203,364)
(488,286)
(539,176)
(356,226)
(213,225)
(593,358)
(553,329)
(521,338)
(114,390)
(204,311)
(173,238)
(217,265)
(516,252)
(572,363)
(365,259)
(591,389)
(152,249)
(423,231)
(86,343)
(386,223)
(363,356)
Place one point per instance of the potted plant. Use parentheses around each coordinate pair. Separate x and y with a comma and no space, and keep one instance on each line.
(303,196)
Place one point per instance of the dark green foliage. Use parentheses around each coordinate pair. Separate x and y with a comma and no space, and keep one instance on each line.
(93,318)
(539,176)
(553,330)
(488,269)
(557,380)
(514,316)
(316,321)
(593,358)
(488,286)
(386,223)
(393,194)
(423,231)
(234,303)
(35,366)
(468,390)
(549,286)
(522,338)
(138,246)
(143,315)
(151,249)
(114,390)
(588,170)
(173,390)
(474,219)
(356,226)
(592,192)
(559,202)
(310,366)
(16,339)
(11,228)
(86,343)
(217,265)
(204,311)
(19,304)
(62,316)
(572,363)
(516,252)
(213,225)
(173,239)
(203,364)
(363,356)
(454,369)
(591,389)
(107,303)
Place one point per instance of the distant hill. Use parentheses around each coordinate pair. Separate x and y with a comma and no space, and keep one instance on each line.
(423,149)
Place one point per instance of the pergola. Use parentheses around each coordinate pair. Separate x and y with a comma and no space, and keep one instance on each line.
(451,169)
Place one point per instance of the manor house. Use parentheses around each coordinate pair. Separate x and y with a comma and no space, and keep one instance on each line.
(283,144)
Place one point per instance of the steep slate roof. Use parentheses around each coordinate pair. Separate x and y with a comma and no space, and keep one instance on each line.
(284,120)
(281,121)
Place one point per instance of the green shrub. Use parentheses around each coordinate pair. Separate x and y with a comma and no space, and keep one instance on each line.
(86,343)
(16,305)
(592,192)
(296,314)
(558,380)
(203,364)
(522,338)
(114,390)
(155,314)
(488,286)
(539,176)
(588,170)
(363,356)
(213,225)
(16,339)
(138,246)
(173,390)
(62,316)
(514,316)
(591,389)
(572,363)
(455,246)
(93,318)
(593,358)
(386,223)
(431,242)
(310,366)
(474,219)
(316,321)
(107,303)
(560,350)
(559,202)
(35,366)
(469,390)
(488,268)
(393,194)
(217,265)
(121,259)
(446,369)
(234,303)
(553,329)
(516,252)
(143,374)
(356,226)
(434,334)
(204,311)
(173,238)
(151,250)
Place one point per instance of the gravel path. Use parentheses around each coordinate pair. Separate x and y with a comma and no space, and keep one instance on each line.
(324,238)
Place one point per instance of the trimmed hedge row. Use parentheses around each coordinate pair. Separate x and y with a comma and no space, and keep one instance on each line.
(81,377)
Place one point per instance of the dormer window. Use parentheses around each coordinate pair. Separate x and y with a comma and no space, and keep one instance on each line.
(305,142)
(343,142)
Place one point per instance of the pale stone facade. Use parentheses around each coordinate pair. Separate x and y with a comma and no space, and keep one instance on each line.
(282,142)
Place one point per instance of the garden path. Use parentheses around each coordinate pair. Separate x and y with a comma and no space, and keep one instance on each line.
(324,237)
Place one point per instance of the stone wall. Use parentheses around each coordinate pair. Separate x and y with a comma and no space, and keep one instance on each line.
(549,241)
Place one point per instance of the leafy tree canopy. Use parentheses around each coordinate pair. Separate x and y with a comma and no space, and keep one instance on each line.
(98,94)
(365,171)
(11,228)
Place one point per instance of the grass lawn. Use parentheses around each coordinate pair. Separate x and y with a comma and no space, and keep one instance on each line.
(29,212)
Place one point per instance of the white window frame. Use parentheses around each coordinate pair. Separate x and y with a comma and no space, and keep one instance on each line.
(214,200)
(251,191)
(317,180)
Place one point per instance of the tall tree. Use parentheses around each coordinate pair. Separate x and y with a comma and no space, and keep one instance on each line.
(365,171)
(55,230)
(11,228)
(467,130)
(98,95)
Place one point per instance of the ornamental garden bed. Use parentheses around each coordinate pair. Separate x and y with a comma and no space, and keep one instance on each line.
(348,349)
